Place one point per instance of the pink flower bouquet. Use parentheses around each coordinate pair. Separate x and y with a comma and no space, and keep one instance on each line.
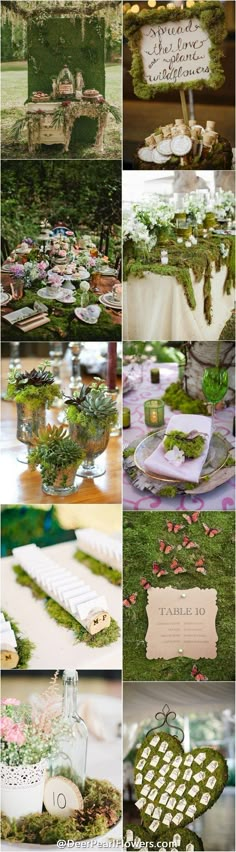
(23,741)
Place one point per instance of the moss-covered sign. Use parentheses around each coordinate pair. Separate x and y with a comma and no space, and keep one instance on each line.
(173,788)
(60,40)
(176,48)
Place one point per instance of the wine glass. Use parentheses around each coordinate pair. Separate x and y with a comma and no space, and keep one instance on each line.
(214,386)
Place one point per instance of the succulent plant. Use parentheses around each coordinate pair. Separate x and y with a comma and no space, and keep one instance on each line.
(37,378)
(34,388)
(93,402)
(54,451)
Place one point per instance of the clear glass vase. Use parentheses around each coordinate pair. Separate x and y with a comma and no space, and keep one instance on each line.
(93,447)
(70,759)
(28,424)
(64,483)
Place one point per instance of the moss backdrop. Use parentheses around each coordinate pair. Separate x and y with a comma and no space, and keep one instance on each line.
(141,533)
(58,41)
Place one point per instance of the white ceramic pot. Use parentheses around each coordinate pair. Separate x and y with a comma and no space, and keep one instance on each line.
(22,789)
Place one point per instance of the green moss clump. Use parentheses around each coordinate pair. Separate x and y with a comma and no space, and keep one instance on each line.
(99,568)
(128,452)
(230,462)
(178,400)
(168,491)
(24,646)
(192,448)
(101,811)
(61,616)
(153,844)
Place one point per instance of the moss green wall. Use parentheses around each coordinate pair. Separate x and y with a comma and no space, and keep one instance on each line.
(58,41)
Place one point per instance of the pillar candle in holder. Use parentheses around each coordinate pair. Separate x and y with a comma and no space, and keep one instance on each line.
(126,418)
(111,367)
(155,375)
(164,258)
(154,412)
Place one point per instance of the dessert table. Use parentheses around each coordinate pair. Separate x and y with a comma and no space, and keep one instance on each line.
(20,485)
(155,307)
(221,498)
(52,123)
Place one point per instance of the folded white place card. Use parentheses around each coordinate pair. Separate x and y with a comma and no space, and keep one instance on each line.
(101,546)
(71,593)
(181,623)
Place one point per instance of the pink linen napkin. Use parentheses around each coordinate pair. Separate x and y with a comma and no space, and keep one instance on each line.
(189,470)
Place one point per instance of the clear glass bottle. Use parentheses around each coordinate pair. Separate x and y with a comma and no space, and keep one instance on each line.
(71,755)
(65,83)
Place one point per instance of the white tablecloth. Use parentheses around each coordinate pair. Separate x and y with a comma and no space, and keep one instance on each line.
(54,644)
(155,308)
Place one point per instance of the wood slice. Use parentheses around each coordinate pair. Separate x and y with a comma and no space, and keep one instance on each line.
(9,657)
(99,622)
(62,797)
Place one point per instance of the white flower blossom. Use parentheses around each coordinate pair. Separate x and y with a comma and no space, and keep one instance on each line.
(175,456)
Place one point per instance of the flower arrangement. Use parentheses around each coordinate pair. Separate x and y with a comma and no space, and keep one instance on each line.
(224,204)
(23,739)
(155,213)
(93,406)
(17,270)
(34,271)
(137,231)
(56,454)
(195,205)
(34,388)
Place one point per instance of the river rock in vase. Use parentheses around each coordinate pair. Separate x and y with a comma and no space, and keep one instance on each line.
(32,391)
(91,415)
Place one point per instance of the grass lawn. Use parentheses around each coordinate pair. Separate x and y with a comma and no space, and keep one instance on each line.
(14,94)
(141,548)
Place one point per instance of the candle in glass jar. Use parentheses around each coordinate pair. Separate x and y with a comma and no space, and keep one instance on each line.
(155,375)
(164,257)
(126,418)
(154,412)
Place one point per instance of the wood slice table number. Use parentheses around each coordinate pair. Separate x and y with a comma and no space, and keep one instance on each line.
(9,658)
(62,797)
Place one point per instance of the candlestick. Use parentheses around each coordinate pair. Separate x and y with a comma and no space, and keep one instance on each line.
(111,366)
(75,379)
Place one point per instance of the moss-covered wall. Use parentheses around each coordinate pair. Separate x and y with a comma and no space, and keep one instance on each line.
(58,41)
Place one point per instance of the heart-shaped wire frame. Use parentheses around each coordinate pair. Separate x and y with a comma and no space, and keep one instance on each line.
(165,719)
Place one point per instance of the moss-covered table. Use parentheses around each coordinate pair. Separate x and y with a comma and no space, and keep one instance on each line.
(190,298)
(63,323)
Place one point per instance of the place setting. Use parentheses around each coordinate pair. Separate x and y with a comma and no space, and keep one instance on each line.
(188,452)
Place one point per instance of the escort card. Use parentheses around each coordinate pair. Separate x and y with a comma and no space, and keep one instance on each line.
(175,52)
(181,623)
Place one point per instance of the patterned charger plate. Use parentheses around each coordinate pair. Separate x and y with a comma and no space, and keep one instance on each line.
(217,455)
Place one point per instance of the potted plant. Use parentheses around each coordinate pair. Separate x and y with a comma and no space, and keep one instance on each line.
(58,457)
(91,416)
(32,391)
(25,746)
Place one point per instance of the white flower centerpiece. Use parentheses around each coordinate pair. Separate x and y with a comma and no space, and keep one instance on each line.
(27,741)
